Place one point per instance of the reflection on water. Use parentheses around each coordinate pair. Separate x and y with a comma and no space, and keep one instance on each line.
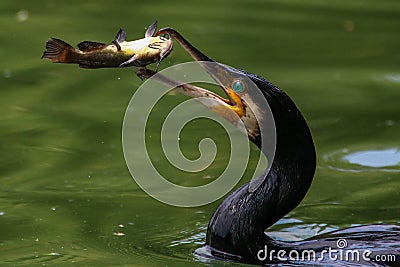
(292,229)
(193,236)
(375,158)
(385,160)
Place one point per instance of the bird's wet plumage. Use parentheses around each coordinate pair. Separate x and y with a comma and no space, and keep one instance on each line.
(240,235)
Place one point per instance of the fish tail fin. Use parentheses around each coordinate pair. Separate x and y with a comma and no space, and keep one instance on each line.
(59,51)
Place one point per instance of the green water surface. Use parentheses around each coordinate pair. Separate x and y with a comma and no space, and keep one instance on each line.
(66,195)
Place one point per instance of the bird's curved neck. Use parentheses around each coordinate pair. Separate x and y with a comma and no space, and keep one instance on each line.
(237,226)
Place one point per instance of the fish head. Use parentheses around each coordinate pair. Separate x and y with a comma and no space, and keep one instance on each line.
(160,46)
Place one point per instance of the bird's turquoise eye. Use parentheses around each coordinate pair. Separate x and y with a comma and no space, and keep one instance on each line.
(238,87)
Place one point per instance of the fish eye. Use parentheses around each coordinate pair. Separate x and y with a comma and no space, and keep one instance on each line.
(165,37)
(238,86)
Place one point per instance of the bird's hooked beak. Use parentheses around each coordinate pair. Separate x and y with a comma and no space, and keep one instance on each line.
(236,106)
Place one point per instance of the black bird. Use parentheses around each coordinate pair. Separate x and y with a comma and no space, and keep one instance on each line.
(236,229)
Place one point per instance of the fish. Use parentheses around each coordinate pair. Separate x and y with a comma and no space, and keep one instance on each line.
(119,53)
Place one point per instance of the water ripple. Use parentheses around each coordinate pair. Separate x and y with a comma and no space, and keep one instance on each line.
(387,160)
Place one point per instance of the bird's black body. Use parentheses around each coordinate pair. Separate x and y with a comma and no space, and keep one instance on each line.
(238,224)
(236,229)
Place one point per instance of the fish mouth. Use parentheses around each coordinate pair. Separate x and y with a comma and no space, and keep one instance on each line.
(164,45)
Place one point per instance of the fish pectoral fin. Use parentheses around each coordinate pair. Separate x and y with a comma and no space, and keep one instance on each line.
(151,29)
(129,61)
(89,45)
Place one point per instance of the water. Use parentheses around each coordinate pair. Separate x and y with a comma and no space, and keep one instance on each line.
(375,158)
(66,195)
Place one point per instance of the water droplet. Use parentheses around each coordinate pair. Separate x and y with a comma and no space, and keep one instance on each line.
(118,233)
(54,254)
(22,15)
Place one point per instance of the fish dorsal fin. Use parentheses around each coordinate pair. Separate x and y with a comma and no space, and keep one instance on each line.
(121,36)
(89,45)
(151,29)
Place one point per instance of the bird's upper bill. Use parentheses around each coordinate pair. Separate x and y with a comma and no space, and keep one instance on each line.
(237,105)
